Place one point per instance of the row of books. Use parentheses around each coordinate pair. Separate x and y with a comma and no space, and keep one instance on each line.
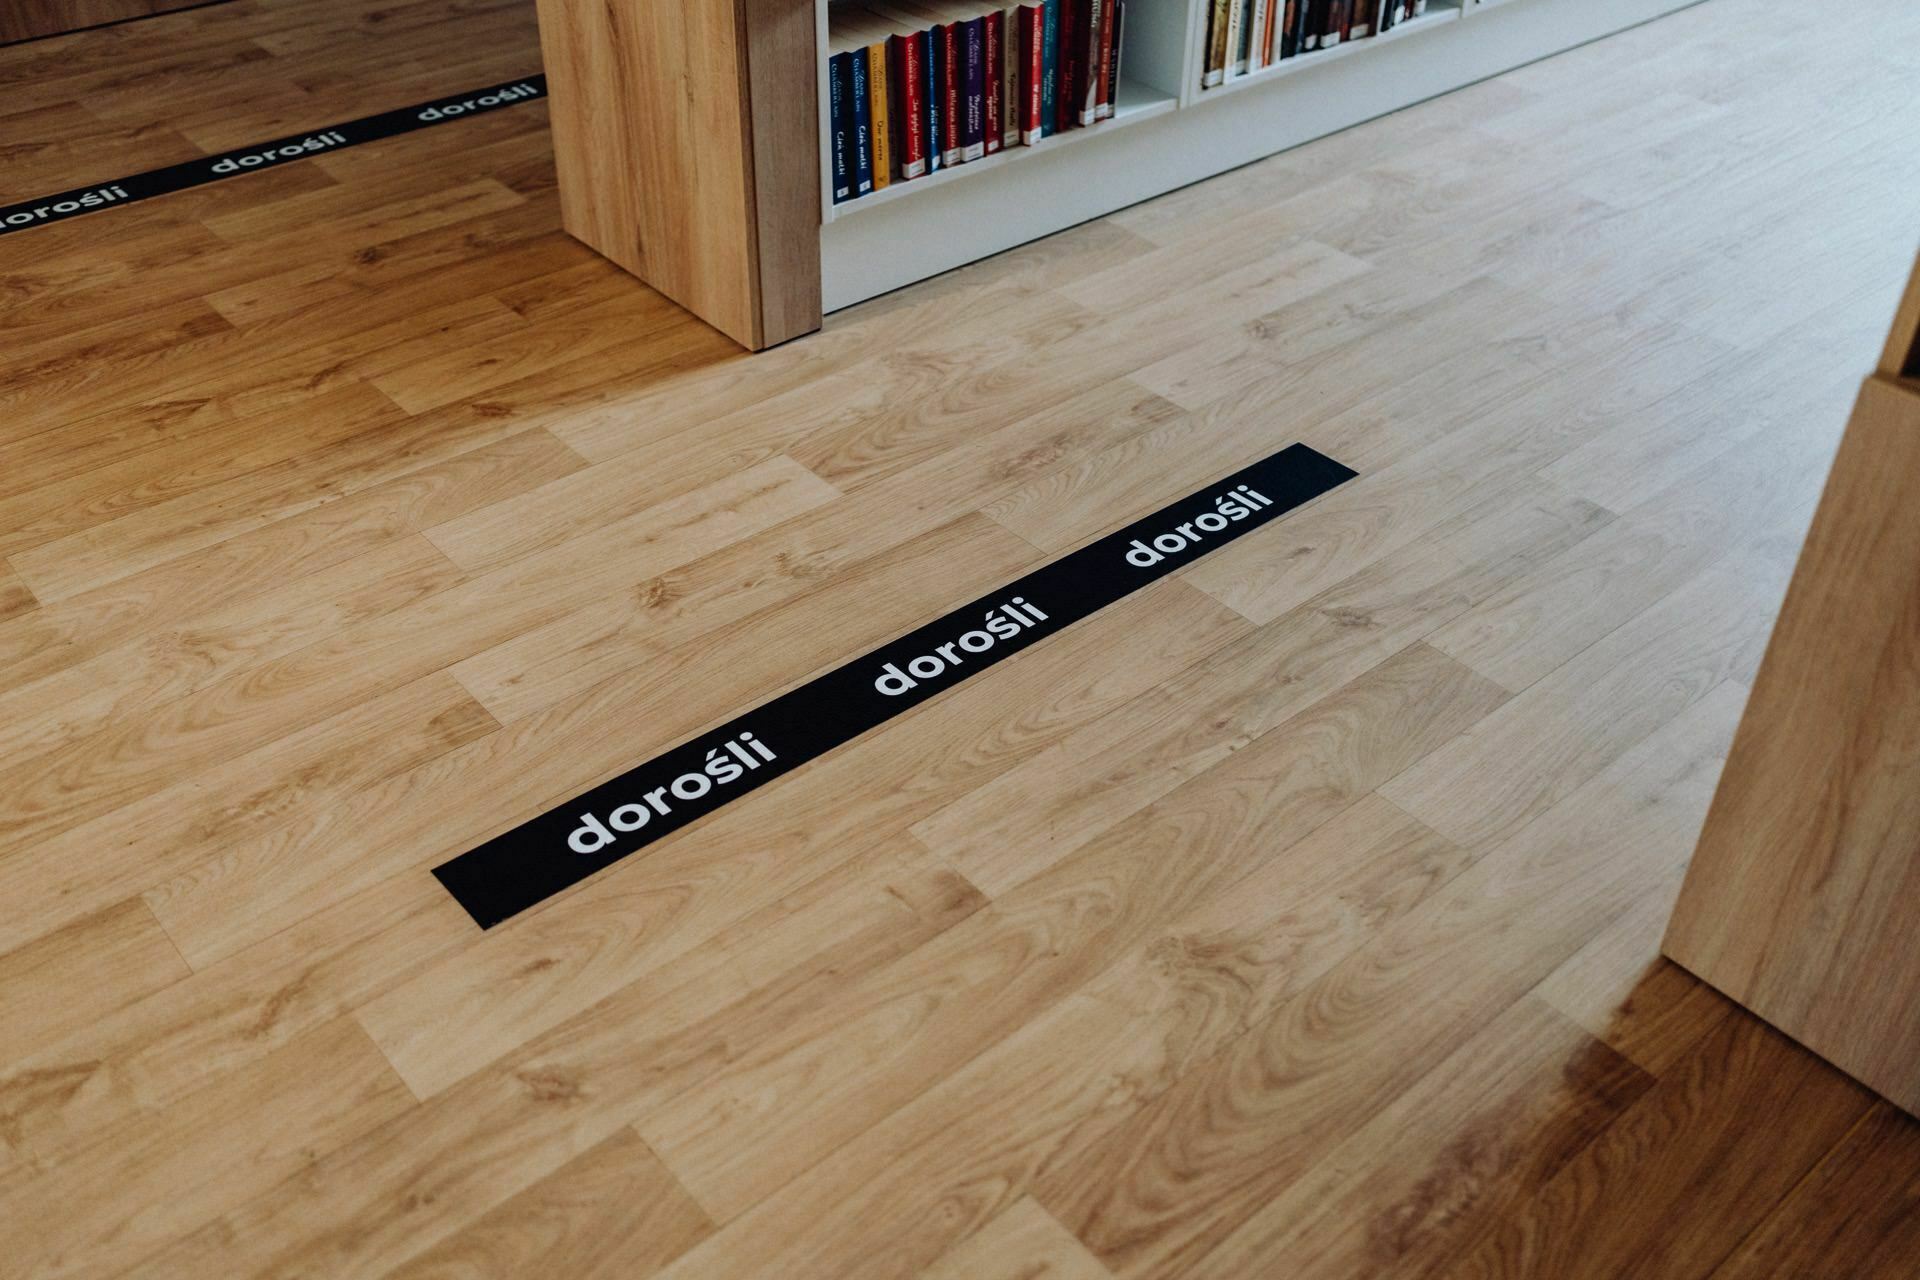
(1244,36)
(918,85)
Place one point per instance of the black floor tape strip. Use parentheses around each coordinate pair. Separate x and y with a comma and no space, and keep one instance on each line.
(529,864)
(264,155)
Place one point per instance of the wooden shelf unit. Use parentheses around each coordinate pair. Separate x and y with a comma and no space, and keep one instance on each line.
(713,161)
(1803,898)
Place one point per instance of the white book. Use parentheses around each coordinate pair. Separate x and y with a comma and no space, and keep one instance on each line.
(1236,20)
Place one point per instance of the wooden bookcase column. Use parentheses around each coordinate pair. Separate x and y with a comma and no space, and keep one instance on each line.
(1803,899)
(686,140)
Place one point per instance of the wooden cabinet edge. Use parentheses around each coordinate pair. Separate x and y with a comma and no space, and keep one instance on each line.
(666,169)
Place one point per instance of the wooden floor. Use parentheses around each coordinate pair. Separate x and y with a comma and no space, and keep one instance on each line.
(1296,917)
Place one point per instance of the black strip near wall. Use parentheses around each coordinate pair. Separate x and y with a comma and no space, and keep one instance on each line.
(529,864)
(62,205)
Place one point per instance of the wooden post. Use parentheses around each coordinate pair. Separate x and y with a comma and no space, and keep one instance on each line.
(1803,899)
(686,138)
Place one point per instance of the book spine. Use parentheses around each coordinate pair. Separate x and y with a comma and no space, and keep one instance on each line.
(1216,67)
(1065,111)
(973,51)
(911,105)
(995,85)
(1120,43)
(1033,19)
(1289,35)
(954,92)
(1257,46)
(839,122)
(1050,67)
(1330,23)
(1313,19)
(1009,71)
(1109,59)
(1360,18)
(862,124)
(878,111)
(1236,38)
(1087,104)
(932,121)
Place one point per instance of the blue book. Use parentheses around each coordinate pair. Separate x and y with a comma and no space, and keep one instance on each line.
(862,130)
(1049,66)
(973,121)
(936,88)
(839,123)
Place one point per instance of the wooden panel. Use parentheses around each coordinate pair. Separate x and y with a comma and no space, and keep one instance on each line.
(1801,899)
(29,19)
(657,150)
(1902,356)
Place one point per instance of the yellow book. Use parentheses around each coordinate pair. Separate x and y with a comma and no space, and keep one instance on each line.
(882,128)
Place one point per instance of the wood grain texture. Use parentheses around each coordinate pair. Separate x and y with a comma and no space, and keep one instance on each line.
(32,19)
(1798,902)
(687,152)
(1298,915)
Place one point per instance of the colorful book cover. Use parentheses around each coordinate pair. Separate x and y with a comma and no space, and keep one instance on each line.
(1010,65)
(973,37)
(1066,113)
(1050,67)
(909,103)
(862,130)
(839,126)
(1216,67)
(994,136)
(1109,51)
(1089,91)
(953,92)
(880,113)
(933,120)
(1033,20)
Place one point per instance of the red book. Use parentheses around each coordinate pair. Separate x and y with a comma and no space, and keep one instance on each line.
(953,89)
(1103,88)
(911,77)
(1032,33)
(995,58)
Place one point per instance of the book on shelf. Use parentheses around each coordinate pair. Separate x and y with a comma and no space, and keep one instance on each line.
(1049,67)
(838,120)
(992,92)
(862,131)
(880,109)
(915,86)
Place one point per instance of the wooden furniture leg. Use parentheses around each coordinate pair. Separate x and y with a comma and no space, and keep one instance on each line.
(1803,899)
(666,167)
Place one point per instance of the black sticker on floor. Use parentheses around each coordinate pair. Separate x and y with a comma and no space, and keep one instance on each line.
(265,155)
(560,848)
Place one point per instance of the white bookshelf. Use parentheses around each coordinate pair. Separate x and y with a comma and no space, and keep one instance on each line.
(1168,132)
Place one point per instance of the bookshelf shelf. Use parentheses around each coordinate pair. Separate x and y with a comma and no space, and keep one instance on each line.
(1438,15)
(693,143)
